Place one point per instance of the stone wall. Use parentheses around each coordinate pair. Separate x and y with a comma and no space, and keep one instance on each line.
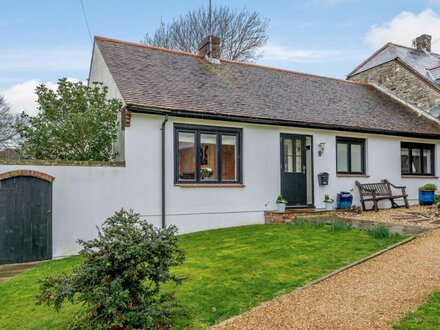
(399,80)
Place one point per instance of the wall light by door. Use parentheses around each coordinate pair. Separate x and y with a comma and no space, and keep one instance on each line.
(321,148)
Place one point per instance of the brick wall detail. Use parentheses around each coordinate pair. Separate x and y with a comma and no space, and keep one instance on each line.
(35,174)
(271,217)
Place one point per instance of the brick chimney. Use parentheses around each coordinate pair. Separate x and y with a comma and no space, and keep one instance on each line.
(210,47)
(423,42)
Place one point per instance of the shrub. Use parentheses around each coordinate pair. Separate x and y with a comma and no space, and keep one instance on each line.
(119,280)
(428,187)
(379,231)
(328,199)
(436,198)
(281,200)
(339,226)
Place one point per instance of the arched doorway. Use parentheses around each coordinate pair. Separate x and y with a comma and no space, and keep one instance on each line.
(25,216)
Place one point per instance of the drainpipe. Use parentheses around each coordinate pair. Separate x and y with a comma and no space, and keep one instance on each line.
(162,128)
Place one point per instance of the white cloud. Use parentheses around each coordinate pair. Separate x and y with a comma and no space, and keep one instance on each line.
(274,52)
(405,27)
(21,97)
(44,59)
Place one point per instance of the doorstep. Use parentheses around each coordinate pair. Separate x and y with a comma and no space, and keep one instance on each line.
(294,214)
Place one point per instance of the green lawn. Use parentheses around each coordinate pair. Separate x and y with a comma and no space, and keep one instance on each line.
(426,317)
(229,271)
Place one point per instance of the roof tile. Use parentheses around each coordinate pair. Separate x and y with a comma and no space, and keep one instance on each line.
(150,77)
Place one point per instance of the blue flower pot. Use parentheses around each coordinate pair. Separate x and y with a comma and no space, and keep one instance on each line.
(344,200)
(426,197)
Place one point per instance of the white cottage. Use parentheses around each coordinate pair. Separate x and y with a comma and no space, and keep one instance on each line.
(208,143)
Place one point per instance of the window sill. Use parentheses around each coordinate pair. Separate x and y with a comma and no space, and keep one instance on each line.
(419,177)
(352,176)
(209,185)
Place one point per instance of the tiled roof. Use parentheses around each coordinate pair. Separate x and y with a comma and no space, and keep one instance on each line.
(421,61)
(155,78)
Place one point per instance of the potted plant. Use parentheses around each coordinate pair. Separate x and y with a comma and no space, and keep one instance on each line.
(426,194)
(328,201)
(281,203)
(205,172)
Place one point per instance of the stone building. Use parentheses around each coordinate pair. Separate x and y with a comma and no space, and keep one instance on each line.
(412,74)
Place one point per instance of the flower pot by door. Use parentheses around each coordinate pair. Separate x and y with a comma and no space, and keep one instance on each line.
(426,197)
(328,206)
(281,207)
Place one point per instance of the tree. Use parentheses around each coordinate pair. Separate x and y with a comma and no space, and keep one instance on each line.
(119,280)
(8,120)
(242,33)
(75,122)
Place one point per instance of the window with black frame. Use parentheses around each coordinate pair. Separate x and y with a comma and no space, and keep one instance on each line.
(416,158)
(350,155)
(207,154)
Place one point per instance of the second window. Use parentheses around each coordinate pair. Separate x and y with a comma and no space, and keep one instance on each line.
(350,155)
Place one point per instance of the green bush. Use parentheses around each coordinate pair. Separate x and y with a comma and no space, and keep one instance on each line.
(436,198)
(119,280)
(428,187)
(379,231)
(281,200)
(340,226)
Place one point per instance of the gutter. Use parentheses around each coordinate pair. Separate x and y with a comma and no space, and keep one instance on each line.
(274,122)
(162,128)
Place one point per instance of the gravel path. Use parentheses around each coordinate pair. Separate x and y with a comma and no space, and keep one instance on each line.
(416,215)
(372,295)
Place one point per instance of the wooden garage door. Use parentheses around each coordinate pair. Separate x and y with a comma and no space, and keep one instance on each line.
(25,219)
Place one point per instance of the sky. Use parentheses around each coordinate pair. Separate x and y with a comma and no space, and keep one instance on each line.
(42,41)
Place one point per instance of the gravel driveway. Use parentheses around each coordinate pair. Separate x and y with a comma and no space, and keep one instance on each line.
(372,295)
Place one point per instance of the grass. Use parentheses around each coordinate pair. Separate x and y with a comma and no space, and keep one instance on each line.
(340,226)
(426,317)
(229,271)
(379,231)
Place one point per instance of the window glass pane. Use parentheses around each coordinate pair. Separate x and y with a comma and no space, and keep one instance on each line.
(208,161)
(342,154)
(427,161)
(288,156)
(229,158)
(187,156)
(404,160)
(298,156)
(416,161)
(356,158)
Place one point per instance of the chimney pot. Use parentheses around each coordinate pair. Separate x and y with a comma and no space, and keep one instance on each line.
(210,47)
(423,42)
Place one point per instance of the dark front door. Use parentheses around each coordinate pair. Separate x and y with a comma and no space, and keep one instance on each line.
(293,169)
(25,219)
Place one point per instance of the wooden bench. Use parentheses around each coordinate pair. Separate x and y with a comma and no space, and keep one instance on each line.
(375,192)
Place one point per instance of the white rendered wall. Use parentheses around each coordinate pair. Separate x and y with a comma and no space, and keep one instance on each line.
(83,197)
